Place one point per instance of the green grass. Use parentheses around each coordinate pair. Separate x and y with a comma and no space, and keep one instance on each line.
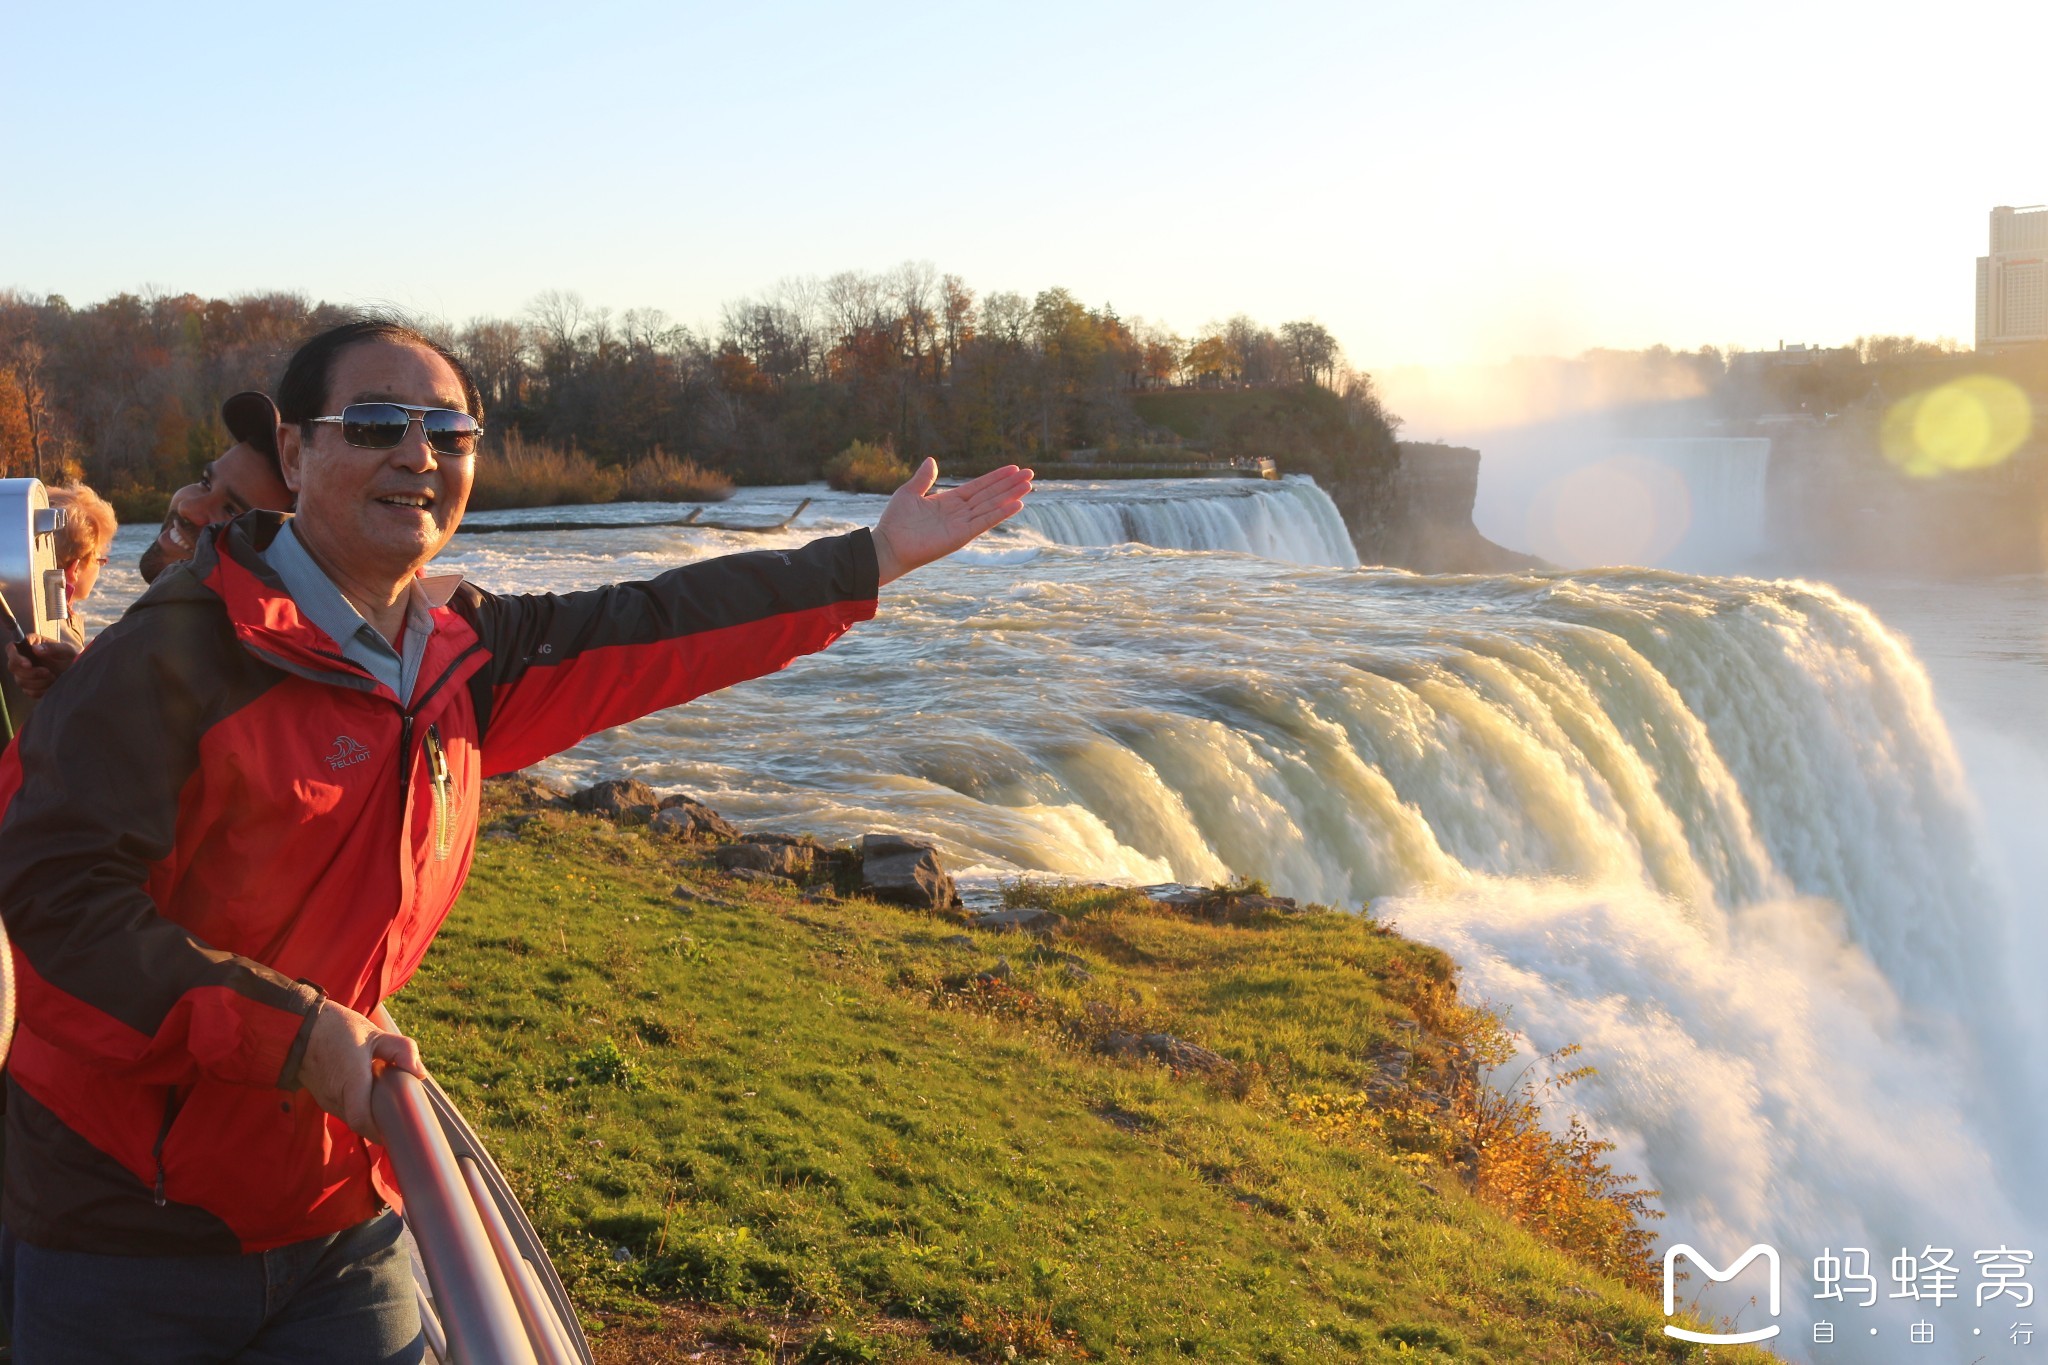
(760,1104)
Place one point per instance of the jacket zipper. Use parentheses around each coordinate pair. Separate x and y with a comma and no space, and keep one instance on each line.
(437,757)
(171,1105)
(437,768)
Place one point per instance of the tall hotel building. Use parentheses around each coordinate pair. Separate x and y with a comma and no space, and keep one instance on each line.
(2012,282)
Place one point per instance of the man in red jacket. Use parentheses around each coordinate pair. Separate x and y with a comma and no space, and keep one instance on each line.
(235,825)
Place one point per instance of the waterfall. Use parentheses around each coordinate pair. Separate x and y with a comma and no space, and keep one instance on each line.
(1291,520)
(1714,830)
(1725,485)
(1719,743)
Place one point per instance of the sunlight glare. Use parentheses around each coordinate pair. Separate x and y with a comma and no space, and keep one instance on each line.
(1971,423)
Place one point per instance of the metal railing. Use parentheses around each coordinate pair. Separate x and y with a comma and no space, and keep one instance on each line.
(492,1296)
(6,995)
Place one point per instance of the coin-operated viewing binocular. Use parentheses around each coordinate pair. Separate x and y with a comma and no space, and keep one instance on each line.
(31,602)
(32,598)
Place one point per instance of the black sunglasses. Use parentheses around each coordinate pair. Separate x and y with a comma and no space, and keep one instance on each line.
(381,426)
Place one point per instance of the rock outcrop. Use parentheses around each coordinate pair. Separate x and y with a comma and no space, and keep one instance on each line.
(1163,1047)
(1024,919)
(1226,905)
(618,798)
(904,872)
(1427,525)
(783,859)
(525,791)
(681,817)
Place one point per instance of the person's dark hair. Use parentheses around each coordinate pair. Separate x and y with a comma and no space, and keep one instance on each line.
(302,393)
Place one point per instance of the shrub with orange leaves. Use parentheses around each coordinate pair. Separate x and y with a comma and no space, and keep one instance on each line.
(1559,1187)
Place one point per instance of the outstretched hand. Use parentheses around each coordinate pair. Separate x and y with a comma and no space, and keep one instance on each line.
(919,526)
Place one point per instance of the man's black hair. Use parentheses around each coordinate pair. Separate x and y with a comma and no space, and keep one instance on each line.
(302,393)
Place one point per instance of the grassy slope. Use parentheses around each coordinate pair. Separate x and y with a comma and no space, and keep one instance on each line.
(814,1130)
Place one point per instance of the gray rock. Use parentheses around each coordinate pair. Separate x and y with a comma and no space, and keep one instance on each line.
(616,799)
(1025,920)
(1182,1055)
(905,872)
(1224,906)
(791,840)
(523,789)
(798,853)
(1164,1047)
(957,941)
(1121,1043)
(679,817)
(782,860)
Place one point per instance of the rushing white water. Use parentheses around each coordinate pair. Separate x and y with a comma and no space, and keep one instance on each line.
(1290,520)
(1714,830)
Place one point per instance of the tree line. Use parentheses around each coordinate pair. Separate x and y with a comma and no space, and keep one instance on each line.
(126,391)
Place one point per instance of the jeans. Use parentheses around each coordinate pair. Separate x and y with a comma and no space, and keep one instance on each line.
(346,1299)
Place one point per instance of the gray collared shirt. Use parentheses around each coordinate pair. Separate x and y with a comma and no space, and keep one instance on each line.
(321,603)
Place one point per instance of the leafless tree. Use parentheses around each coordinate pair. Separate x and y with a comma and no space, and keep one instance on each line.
(497,353)
(956,316)
(914,290)
(559,320)
(853,304)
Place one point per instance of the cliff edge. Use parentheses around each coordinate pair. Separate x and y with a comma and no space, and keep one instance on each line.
(1427,522)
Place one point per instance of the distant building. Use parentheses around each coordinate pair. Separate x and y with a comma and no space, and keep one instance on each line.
(2012,282)
(1797,354)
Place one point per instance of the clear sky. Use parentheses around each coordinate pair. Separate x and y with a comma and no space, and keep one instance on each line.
(1436,183)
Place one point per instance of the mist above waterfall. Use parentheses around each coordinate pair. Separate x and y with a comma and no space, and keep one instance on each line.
(1579,496)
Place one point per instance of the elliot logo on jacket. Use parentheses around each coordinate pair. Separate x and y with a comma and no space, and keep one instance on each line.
(346,751)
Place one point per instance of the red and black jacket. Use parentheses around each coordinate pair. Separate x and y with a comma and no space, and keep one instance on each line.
(215,808)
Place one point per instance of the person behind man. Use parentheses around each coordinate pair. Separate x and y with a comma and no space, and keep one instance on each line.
(82,544)
(302,722)
(82,540)
(241,478)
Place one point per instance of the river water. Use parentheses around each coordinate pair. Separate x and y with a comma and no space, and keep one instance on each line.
(1765,849)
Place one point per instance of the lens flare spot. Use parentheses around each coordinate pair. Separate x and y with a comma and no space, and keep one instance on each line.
(1971,423)
(1625,510)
